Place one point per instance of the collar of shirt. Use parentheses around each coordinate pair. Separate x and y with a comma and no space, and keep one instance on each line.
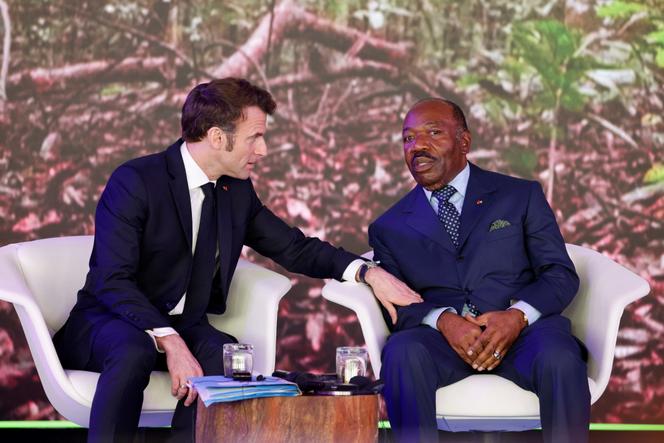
(460,183)
(195,175)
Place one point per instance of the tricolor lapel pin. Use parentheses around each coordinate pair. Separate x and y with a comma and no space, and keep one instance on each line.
(224,187)
(479,202)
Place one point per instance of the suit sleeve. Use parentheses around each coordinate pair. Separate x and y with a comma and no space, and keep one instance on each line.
(270,236)
(556,281)
(410,316)
(119,223)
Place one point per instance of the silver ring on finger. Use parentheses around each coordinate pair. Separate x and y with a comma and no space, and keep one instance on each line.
(496,355)
(183,386)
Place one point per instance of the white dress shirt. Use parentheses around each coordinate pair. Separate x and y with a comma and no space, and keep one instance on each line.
(196,178)
(460,183)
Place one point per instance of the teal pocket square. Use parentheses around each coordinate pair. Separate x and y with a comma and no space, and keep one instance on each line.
(499,224)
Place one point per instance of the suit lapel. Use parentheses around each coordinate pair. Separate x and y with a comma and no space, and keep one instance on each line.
(476,203)
(179,188)
(224,227)
(422,218)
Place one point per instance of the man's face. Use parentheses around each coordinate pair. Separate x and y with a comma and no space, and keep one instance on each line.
(433,151)
(248,144)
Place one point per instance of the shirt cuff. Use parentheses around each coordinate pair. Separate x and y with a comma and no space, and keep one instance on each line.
(160,332)
(351,270)
(431,319)
(532,313)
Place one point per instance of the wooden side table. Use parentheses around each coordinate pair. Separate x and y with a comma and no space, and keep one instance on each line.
(309,418)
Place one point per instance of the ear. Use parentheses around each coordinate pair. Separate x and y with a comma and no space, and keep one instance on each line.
(466,138)
(217,138)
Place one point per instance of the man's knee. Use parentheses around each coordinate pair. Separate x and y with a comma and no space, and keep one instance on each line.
(136,354)
(210,356)
(406,349)
(206,345)
(561,361)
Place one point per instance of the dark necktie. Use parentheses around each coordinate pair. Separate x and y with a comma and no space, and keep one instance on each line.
(447,213)
(202,270)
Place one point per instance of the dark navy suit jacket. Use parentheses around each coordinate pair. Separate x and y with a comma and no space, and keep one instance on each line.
(141,261)
(525,260)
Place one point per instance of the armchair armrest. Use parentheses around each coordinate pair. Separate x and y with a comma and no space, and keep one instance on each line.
(359,298)
(251,313)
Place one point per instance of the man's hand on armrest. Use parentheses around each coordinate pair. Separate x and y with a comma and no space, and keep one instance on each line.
(390,291)
(181,365)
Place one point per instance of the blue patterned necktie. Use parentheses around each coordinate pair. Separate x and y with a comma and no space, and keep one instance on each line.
(449,216)
(447,213)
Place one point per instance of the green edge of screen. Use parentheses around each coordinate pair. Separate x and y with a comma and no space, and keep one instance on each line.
(384,424)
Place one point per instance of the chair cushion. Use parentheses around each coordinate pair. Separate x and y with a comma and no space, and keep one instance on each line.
(157,396)
(488,395)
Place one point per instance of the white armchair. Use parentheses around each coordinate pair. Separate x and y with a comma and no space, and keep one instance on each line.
(606,288)
(41,278)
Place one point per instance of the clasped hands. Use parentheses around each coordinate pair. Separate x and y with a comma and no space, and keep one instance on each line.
(482,349)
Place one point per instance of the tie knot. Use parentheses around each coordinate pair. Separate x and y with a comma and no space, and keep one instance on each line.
(208,189)
(443,195)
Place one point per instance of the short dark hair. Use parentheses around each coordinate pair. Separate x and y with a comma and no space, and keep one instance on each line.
(221,103)
(462,125)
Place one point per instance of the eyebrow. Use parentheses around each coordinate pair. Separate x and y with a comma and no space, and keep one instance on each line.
(429,123)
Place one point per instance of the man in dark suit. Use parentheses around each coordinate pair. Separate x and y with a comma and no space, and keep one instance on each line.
(170,228)
(485,252)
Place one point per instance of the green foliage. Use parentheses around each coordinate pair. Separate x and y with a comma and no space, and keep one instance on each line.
(659,58)
(656,37)
(522,161)
(469,79)
(552,49)
(620,9)
(657,40)
(655,174)
(112,90)
(651,15)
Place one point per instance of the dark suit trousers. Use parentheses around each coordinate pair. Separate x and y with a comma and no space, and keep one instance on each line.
(125,357)
(546,359)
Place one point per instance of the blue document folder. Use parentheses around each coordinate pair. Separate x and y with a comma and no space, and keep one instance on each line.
(218,389)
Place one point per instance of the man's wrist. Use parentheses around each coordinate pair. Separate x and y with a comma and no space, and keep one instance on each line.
(364,270)
(167,342)
(440,323)
(350,273)
(160,332)
(523,318)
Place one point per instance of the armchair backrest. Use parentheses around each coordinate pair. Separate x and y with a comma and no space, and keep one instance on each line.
(606,289)
(54,270)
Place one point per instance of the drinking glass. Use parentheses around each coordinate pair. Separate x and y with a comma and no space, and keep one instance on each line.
(238,359)
(351,361)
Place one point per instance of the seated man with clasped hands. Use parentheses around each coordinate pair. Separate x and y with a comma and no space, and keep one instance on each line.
(484,251)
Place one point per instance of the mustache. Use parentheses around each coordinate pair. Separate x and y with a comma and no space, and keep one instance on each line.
(422,154)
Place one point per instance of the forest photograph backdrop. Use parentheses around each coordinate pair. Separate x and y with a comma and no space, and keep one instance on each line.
(566,92)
